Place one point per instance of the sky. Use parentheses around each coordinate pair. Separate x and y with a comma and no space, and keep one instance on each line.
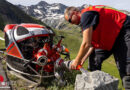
(119,4)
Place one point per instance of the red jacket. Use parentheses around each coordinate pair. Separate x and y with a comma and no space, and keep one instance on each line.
(110,24)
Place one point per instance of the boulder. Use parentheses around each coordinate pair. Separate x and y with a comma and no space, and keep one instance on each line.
(97,80)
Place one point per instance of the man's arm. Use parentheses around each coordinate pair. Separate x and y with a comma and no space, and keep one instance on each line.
(86,44)
(87,55)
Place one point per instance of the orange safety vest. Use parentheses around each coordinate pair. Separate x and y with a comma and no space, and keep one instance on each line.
(108,28)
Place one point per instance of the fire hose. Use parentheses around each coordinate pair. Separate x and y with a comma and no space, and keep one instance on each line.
(67,64)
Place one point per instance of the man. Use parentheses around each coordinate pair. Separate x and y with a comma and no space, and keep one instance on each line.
(105,28)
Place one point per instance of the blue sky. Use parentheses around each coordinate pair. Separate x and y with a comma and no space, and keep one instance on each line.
(119,4)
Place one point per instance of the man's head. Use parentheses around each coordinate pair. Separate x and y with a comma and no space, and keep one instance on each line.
(72,15)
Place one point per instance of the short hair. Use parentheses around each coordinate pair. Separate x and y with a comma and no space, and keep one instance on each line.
(69,10)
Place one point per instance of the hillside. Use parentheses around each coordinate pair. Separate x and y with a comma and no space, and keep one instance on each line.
(11,14)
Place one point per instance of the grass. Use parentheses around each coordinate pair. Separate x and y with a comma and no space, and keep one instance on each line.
(2,44)
(72,41)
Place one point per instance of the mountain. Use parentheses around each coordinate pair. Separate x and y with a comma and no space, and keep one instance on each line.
(11,14)
(51,14)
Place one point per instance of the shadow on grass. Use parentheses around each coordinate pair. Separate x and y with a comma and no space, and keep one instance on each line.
(52,83)
(121,89)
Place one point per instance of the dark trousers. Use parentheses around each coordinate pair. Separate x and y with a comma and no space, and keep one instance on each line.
(96,59)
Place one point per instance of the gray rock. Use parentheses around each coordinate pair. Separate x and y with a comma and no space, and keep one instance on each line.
(96,80)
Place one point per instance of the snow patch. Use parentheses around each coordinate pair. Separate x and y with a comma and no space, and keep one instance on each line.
(39,7)
(37,11)
(54,8)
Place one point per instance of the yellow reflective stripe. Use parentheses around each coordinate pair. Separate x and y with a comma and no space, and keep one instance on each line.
(107,7)
(90,7)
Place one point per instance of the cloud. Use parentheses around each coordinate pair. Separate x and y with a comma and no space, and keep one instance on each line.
(24,2)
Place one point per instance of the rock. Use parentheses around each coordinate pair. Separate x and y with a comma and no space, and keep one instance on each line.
(96,80)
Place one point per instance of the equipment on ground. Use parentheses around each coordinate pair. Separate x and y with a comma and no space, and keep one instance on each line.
(32,54)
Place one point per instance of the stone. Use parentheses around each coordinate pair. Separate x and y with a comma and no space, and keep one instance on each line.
(97,80)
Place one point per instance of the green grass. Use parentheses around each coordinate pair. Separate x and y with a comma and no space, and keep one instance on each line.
(1,33)
(2,44)
(72,40)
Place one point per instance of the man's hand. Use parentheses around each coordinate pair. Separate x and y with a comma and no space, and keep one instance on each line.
(74,64)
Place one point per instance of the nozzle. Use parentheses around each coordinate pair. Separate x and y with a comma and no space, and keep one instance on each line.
(67,64)
(78,67)
(83,70)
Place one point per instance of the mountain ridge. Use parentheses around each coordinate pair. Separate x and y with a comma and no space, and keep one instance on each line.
(51,14)
(11,14)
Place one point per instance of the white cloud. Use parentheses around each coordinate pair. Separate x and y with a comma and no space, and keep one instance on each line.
(24,2)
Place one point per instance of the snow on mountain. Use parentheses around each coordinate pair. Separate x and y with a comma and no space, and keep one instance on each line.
(51,14)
